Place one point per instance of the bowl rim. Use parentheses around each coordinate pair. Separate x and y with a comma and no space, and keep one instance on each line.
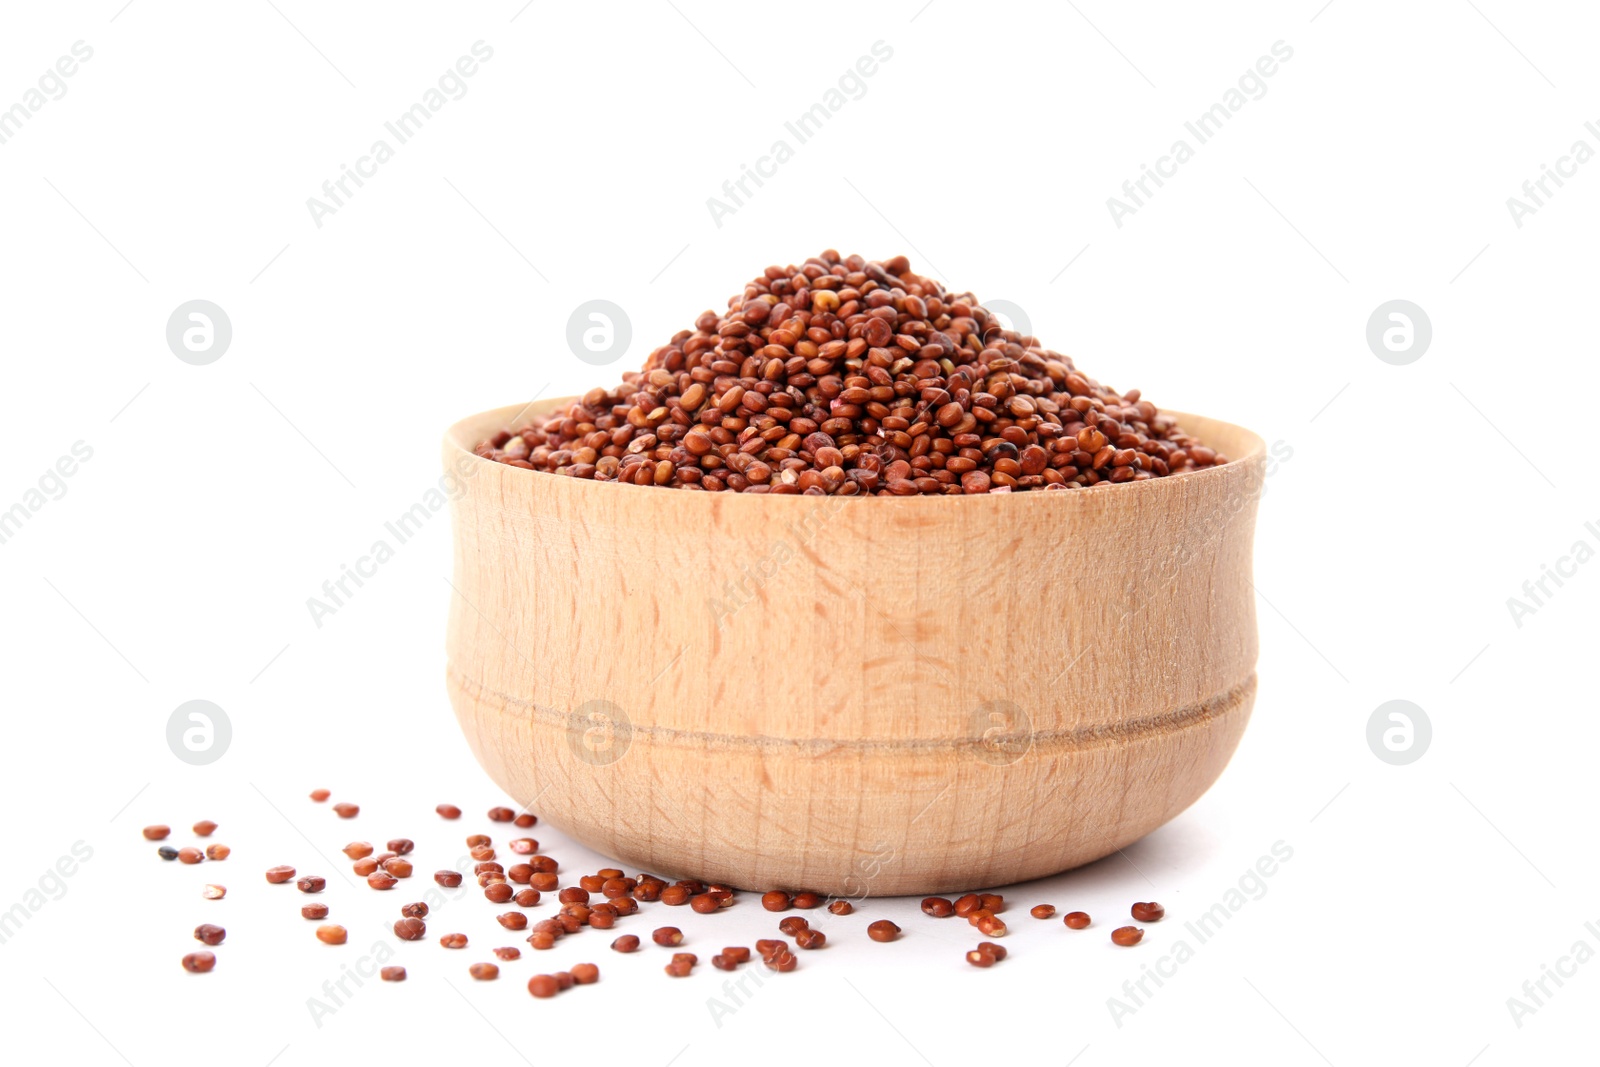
(1238,463)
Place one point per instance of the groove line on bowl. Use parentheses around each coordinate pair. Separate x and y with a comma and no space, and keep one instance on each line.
(1076,738)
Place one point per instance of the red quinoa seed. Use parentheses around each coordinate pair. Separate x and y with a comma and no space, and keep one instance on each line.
(1127,936)
(1148,911)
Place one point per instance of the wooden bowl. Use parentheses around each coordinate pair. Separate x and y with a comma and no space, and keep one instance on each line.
(857,696)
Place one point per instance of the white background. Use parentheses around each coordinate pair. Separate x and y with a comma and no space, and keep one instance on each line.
(178,562)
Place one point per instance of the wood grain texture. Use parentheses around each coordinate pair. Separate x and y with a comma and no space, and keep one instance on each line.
(859,696)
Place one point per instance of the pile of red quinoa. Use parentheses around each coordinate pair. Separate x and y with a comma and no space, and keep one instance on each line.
(843,376)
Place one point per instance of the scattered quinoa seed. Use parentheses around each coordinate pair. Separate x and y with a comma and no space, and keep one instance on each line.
(1127,935)
(1148,911)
